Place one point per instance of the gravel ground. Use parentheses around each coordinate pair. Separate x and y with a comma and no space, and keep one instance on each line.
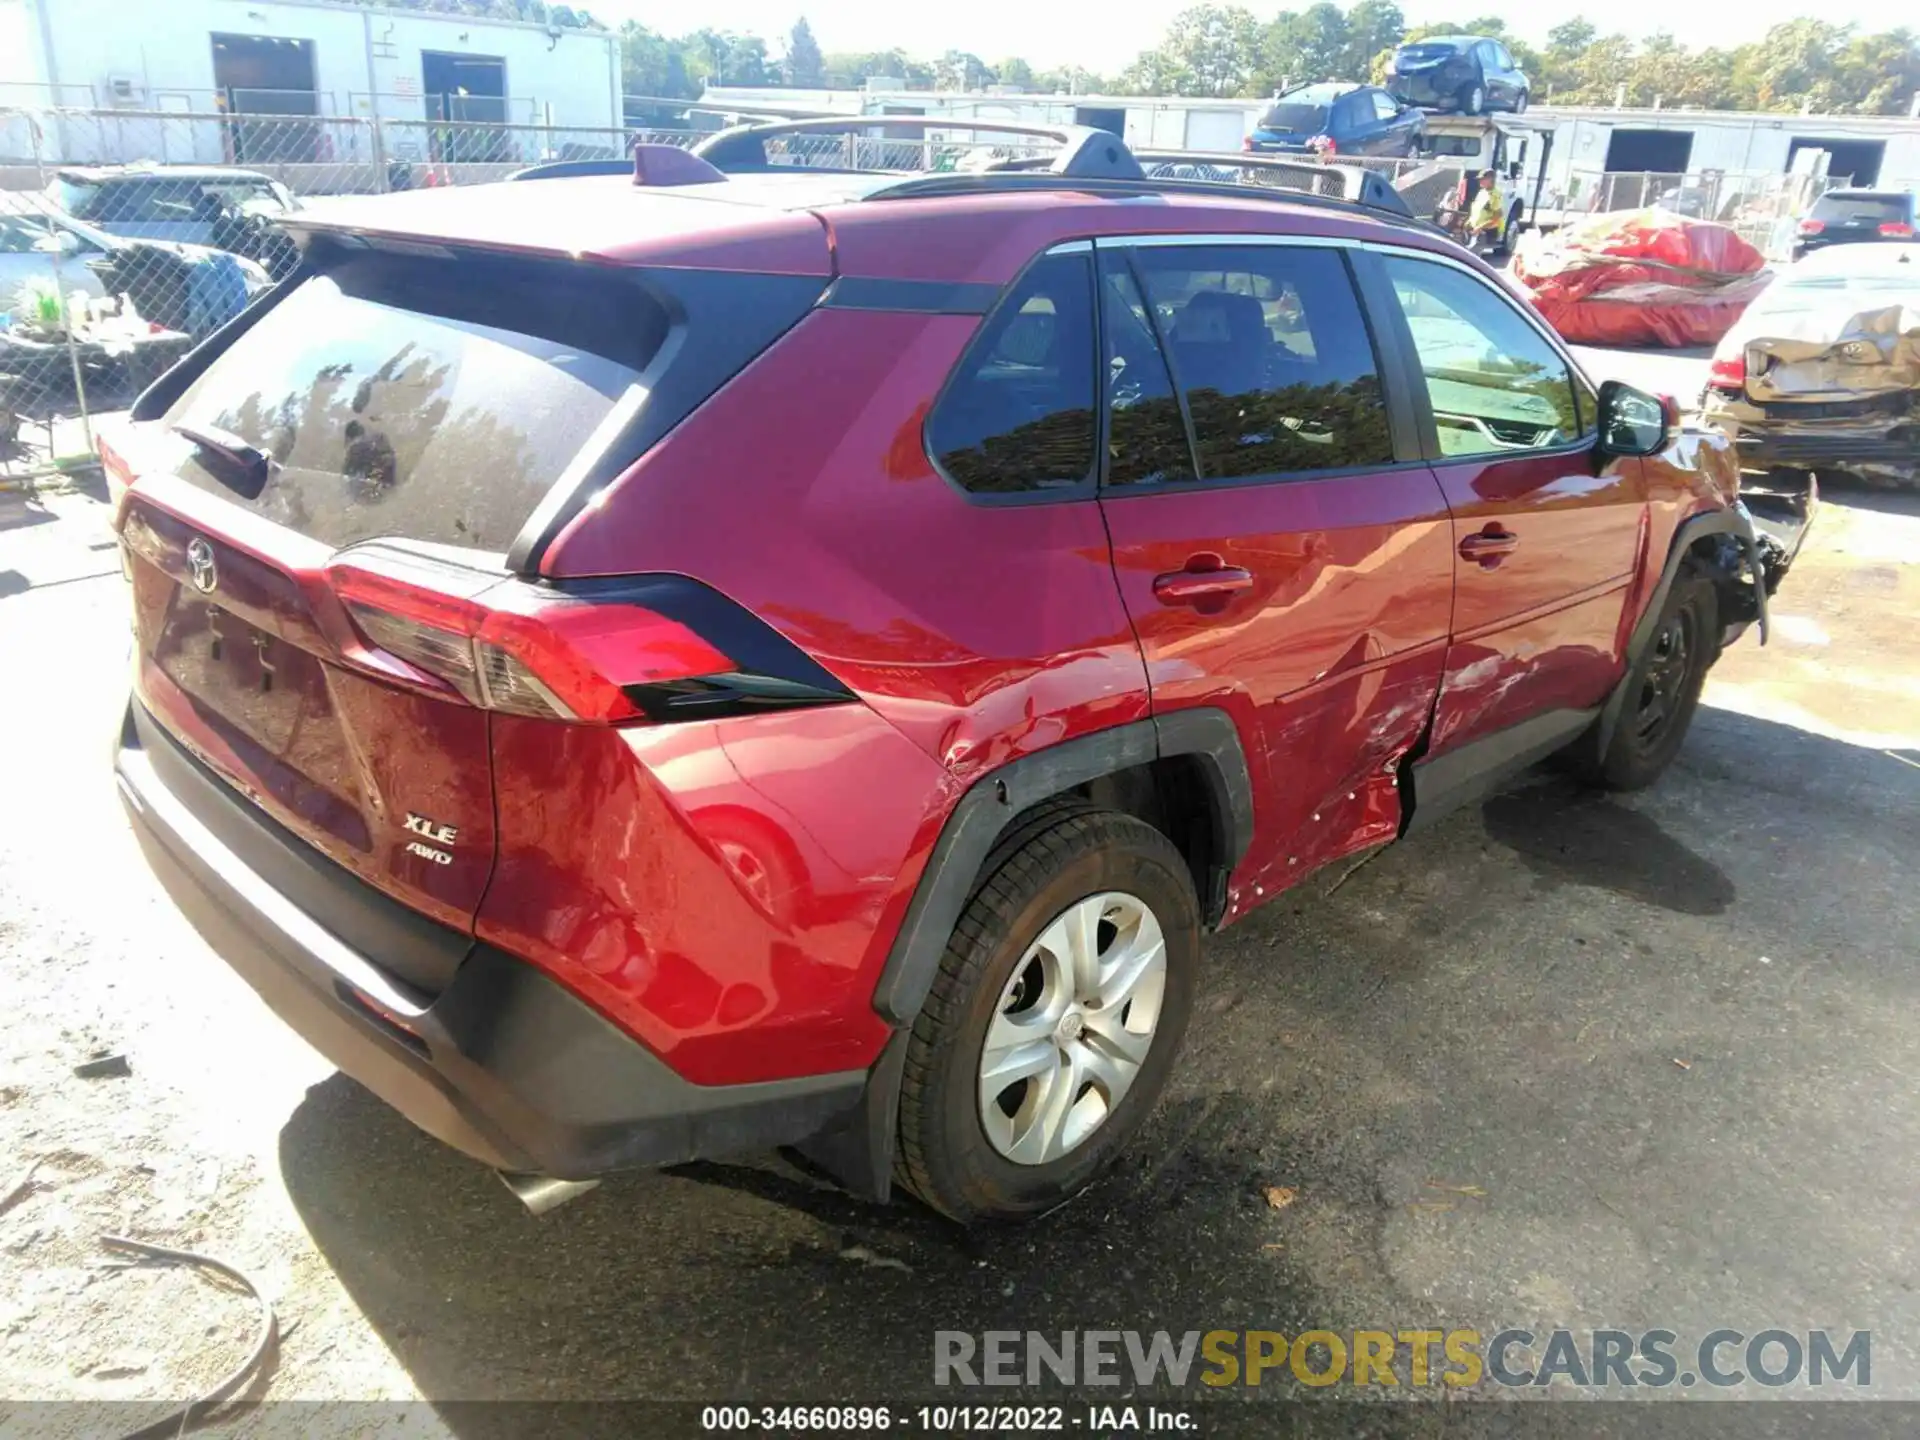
(1562,1061)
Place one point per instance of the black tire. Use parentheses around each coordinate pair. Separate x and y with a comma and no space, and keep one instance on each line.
(1520,102)
(944,1155)
(1473,99)
(1662,690)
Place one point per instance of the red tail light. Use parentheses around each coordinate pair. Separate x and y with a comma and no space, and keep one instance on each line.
(1330,146)
(1812,227)
(1728,372)
(659,647)
(119,472)
(1897,230)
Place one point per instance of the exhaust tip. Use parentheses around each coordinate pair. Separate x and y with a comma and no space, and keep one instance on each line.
(541,1193)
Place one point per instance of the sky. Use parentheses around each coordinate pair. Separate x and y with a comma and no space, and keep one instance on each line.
(1107,37)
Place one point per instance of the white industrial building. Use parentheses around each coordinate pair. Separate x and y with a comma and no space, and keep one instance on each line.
(1870,150)
(304,58)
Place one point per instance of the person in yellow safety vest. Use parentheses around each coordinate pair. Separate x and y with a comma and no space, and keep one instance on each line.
(1488,214)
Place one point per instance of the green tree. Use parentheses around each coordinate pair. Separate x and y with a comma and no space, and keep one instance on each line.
(804,65)
(651,64)
(1072,80)
(1373,27)
(1880,74)
(1015,71)
(1312,45)
(962,70)
(747,61)
(1570,37)
(1209,50)
(1798,62)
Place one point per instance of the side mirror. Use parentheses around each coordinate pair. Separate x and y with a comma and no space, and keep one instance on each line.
(1633,422)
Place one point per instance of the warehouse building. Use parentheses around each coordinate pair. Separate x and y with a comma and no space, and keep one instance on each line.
(303,58)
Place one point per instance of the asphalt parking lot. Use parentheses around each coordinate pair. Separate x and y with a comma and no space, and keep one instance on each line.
(1564,1061)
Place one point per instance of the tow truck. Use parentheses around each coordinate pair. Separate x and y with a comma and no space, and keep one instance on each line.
(1460,147)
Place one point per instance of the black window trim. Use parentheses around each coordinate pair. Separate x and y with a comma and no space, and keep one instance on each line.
(1402,415)
(1380,297)
(1124,261)
(1081,490)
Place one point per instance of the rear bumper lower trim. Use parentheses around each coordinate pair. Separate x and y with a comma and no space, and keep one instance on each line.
(505,1064)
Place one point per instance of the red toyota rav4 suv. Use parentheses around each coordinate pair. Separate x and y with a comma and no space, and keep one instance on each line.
(638,668)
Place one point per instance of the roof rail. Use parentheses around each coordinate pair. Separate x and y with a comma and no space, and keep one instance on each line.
(1002,181)
(1085,153)
(1093,160)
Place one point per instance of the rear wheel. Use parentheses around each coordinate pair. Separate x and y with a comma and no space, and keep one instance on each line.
(1662,690)
(1473,99)
(1053,1023)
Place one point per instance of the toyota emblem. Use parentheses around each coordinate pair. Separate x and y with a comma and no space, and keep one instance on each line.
(200,566)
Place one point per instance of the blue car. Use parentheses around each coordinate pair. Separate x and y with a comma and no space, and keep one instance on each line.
(1339,120)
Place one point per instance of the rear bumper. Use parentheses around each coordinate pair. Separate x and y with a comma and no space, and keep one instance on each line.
(1427,87)
(1877,436)
(504,1064)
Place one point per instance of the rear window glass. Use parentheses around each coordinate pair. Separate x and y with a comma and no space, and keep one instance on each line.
(143,202)
(431,400)
(73,196)
(1876,208)
(1302,116)
(1019,412)
(1425,52)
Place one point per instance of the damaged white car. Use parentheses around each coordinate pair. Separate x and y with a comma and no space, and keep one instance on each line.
(1821,375)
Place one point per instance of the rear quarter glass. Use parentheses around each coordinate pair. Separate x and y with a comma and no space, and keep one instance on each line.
(1872,209)
(431,399)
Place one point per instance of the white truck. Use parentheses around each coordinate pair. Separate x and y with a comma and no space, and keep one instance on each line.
(1457,148)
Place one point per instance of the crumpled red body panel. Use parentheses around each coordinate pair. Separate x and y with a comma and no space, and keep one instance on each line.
(1642,277)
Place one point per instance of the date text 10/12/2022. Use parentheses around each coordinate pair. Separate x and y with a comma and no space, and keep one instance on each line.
(960,1419)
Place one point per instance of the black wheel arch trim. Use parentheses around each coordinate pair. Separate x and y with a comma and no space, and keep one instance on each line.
(1731,520)
(857,1150)
(993,801)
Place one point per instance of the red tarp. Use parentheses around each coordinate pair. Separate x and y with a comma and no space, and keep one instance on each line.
(1642,277)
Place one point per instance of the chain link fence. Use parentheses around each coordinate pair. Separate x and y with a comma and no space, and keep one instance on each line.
(1763,207)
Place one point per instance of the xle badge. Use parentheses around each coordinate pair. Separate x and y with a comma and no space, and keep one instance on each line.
(435,831)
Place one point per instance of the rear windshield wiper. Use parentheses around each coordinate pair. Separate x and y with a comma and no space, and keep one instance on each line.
(248,460)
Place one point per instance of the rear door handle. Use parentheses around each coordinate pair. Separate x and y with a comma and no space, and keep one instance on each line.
(1488,547)
(1191,586)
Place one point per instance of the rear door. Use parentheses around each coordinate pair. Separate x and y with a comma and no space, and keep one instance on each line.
(1355,126)
(1283,551)
(1548,531)
(1389,135)
(315,517)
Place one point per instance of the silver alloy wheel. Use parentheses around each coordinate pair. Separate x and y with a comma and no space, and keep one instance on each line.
(1073,1027)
